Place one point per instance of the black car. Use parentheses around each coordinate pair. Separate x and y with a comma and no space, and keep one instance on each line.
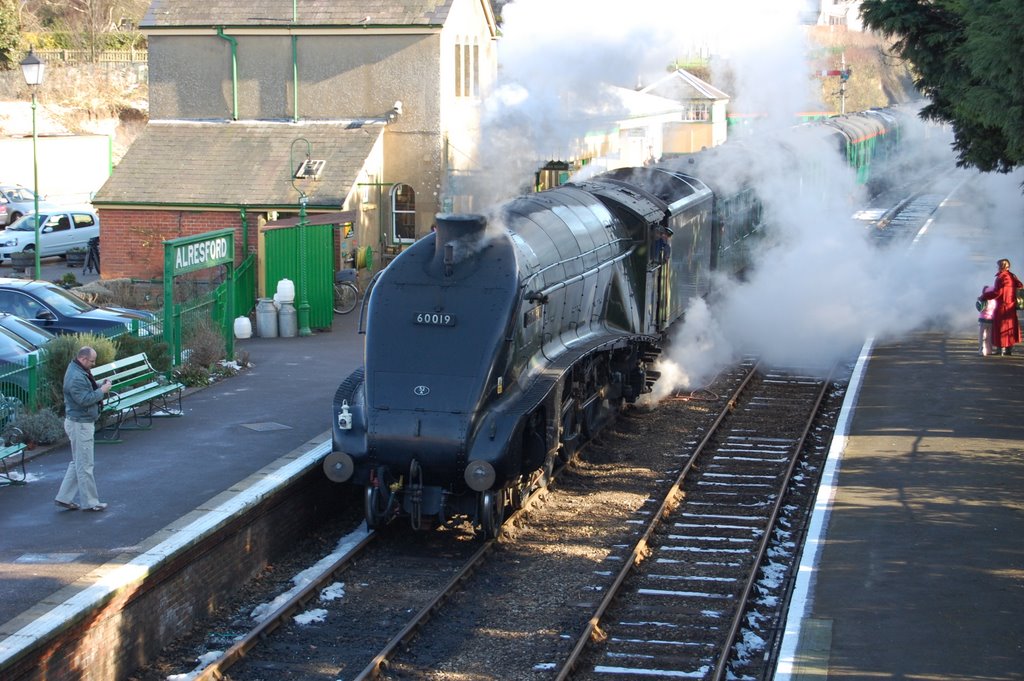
(52,308)
(14,354)
(25,329)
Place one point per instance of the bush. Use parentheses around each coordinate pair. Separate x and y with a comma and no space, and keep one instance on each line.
(59,353)
(156,349)
(203,341)
(122,293)
(67,281)
(192,376)
(42,427)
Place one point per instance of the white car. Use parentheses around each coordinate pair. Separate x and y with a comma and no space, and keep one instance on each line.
(16,201)
(59,231)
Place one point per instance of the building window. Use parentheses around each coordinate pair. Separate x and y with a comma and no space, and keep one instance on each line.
(467,69)
(697,111)
(403,214)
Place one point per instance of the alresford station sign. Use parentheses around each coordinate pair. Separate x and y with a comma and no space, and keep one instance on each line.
(189,254)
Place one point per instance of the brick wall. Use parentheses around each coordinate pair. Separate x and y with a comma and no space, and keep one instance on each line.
(131,241)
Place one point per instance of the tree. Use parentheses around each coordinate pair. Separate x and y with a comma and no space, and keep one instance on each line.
(966,57)
(87,24)
(10,27)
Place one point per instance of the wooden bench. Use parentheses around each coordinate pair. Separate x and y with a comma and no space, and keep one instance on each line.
(137,389)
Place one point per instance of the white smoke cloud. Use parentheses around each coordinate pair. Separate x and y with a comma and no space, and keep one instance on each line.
(821,287)
(825,287)
(556,59)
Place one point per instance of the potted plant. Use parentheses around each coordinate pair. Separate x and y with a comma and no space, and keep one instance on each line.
(23,260)
(67,280)
(76,256)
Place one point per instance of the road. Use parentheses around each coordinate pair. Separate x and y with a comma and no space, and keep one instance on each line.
(53,268)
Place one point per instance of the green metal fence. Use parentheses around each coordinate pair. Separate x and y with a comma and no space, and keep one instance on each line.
(21,380)
(200,312)
(204,306)
(210,308)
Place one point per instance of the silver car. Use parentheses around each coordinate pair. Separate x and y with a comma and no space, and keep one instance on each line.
(59,231)
(16,201)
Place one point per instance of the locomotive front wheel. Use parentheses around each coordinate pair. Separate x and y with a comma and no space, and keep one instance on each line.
(375,506)
(492,513)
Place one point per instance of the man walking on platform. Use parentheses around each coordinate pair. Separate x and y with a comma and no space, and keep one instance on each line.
(1005,326)
(82,399)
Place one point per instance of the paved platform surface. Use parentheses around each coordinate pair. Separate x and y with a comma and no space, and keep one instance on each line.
(921,571)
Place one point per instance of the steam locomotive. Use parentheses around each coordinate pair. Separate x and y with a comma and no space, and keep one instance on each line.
(498,344)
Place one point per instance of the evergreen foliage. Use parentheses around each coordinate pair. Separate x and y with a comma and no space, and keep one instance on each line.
(967,59)
(9,34)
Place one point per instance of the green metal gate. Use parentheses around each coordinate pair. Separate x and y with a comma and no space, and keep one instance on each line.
(303,254)
(191,254)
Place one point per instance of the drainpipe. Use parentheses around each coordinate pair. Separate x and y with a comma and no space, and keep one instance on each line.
(295,78)
(245,232)
(234,71)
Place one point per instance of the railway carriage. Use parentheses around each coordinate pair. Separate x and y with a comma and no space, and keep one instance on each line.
(865,139)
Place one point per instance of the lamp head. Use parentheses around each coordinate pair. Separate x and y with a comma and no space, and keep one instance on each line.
(32,67)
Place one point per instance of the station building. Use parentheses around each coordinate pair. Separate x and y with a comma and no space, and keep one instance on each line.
(260,111)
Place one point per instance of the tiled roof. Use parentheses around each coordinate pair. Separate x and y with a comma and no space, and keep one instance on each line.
(645,104)
(243,163)
(185,13)
(682,86)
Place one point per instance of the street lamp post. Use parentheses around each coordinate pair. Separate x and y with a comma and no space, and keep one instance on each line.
(32,66)
(303,307)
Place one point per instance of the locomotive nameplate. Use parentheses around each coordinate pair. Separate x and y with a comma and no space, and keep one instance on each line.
(434,318)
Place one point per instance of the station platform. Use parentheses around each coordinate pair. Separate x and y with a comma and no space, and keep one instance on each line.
(913,568)
(230,435)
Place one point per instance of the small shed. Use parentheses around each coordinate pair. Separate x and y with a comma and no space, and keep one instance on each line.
(703,123)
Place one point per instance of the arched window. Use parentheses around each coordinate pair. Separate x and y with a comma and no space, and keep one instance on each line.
(403,214)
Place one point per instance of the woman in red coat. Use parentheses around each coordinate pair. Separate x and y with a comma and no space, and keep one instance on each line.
(1005,327)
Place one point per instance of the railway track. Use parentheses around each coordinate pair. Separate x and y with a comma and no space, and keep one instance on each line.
(518,607)
(682,595)
(362,605)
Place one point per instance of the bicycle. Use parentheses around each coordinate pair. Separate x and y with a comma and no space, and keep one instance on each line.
(346,291)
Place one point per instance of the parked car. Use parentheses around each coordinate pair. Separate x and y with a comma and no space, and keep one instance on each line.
(25,329)
(58,311)
(59,231)
(16,201)
(14,353)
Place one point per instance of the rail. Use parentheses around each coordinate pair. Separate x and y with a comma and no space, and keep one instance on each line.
(669,501)
(673,500)
(241,649)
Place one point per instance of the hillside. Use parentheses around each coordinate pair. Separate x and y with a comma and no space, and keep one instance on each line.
(107,100)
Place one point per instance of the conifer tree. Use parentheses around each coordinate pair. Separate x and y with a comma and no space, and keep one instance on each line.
(967,59)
